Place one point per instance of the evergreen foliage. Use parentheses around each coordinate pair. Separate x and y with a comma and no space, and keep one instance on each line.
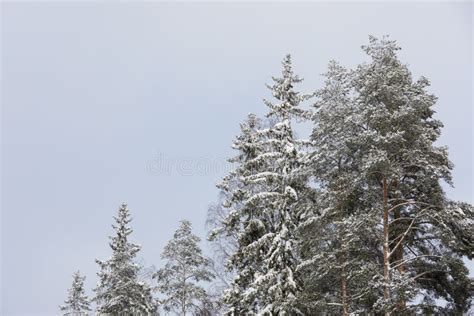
(179,280)
(77,301)
(120,290)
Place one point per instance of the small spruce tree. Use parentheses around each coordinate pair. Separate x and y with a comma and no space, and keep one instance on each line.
(120,291)
(77,301)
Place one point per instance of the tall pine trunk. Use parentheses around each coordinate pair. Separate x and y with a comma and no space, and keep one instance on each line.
(386,249)
(398,253)
(183,301)
(344,296)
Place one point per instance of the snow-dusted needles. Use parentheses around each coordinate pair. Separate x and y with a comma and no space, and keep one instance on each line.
(353,220)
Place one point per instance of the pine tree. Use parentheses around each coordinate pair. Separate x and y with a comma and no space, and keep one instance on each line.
(338,228)
(185,267)
(402,165)
(77,302)
(120,291)
(382,225)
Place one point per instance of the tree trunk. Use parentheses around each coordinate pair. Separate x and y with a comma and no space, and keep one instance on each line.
(344,296)
(399,259)
(183,307)
(398,252)
(386,249)
(183,301)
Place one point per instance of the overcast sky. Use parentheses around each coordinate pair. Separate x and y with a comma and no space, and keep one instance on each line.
(104,103)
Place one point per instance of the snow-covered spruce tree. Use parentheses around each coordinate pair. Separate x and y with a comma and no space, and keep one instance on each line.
(279,201)
(422,244)
(120,291)
(264,195)
(337,233)
(237,225)
(286,198)
(185,267)
(77,302)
